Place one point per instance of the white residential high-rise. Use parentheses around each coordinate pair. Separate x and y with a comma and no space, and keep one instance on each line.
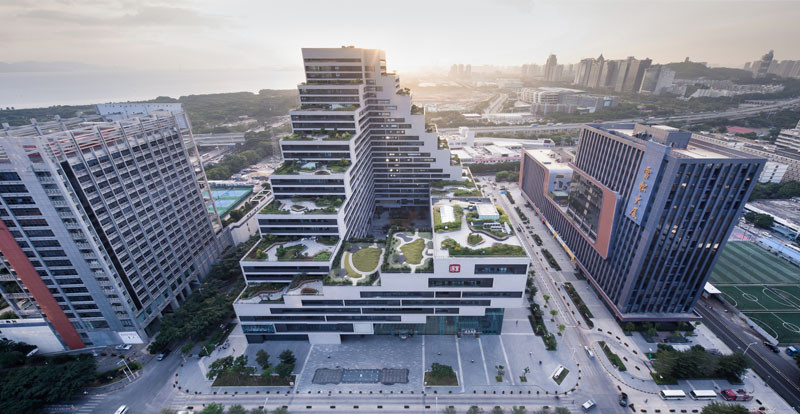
(102,225)
(347,246)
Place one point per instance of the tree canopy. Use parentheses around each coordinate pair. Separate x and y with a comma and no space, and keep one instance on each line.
(760,220)
(722,408)
(697,363)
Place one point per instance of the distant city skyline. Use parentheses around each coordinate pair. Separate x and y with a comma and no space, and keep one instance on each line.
(207,35)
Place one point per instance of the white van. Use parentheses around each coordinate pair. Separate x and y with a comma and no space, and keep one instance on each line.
(588,405)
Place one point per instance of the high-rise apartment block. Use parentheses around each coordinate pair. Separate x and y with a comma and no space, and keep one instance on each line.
(551,69)
(789,139)
(656,78)
(103,227)
(646,212)
(619,75)
(365,234)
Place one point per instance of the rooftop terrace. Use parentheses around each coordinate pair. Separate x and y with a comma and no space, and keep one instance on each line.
(318,136)
(312,167)
(471,234)
(304,205)
(273,248)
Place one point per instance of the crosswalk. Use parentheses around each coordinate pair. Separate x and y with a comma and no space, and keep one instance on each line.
(85,405)
(90,404)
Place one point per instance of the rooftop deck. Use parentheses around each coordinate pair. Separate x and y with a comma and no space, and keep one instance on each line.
(471,234)
(304,205)
(312,167)
(293,248)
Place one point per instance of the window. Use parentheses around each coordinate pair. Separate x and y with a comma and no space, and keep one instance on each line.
(492,294)
(9,176)
(460,282)
(500,269)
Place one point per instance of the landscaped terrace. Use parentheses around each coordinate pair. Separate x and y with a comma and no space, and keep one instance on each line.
(273,248)
(409,251)
(459,231)
(318,136)
(313,167)
(263,293)
(357,263)
(304,205)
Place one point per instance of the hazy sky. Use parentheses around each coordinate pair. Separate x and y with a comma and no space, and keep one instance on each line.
(182,34)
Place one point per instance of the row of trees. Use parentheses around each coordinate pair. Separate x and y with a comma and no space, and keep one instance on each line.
(29,383)
(210,305)
(215,408)
(257,146)
(760,220)
(510,176)
(786,190)
(697,363)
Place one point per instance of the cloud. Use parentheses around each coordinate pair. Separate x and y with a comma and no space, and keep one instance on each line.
(142,17)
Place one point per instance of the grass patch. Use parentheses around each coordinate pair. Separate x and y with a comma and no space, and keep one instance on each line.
(352,273)
(439,227)
(474,238)
(582,308)
(498,249)
(550,259)
(442,375)
(614,358)
(366,260)
(413,251)
(660,380)
(235,380)
(560,378)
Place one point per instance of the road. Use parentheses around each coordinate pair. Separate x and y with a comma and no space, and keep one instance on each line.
(690,118)
(603,388)
(776,371)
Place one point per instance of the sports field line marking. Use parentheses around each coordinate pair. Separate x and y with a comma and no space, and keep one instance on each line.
(778,298)
(766,325)
(778,288)
(755,301)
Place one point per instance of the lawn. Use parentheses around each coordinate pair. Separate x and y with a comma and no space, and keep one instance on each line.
(614,358)
(413,251)
(441,381)
(560,378)
(366,260)
(350,271)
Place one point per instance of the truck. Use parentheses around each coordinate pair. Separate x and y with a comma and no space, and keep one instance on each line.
(738,395)
(792,350)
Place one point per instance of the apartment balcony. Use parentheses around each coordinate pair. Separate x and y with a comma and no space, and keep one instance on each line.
(8,278)
(17,295)
(53,191)
(47,180)
(72,226)
(66,215)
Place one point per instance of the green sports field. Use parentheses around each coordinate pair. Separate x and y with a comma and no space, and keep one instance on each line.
(763,286)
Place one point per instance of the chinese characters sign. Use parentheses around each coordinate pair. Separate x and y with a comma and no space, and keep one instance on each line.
(644,185)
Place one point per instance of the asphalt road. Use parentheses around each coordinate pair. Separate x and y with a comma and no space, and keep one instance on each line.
(777,372)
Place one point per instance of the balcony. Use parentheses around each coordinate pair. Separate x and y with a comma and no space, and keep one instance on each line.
(417,110)
(304,205)
(404,92)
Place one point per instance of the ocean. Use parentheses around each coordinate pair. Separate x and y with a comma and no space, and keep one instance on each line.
(43,89)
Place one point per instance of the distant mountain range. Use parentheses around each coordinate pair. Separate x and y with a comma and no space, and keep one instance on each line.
(28,67)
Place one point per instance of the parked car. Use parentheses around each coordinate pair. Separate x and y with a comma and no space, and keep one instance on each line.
(123,347)
(772,347)
(623,399)
(160,357)
(792,350)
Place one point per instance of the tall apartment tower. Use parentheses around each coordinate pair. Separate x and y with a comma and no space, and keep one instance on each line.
(647,213)
(761,67)
(583,72)
(550,69)
(102,225)
(595,72)
(635,74)
(360,148)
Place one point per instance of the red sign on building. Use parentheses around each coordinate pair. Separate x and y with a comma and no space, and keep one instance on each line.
(455,268)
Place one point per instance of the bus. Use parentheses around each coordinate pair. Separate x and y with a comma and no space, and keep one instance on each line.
(703,394)
(672,394)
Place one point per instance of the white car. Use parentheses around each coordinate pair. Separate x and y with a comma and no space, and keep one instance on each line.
(123,347)
(588,405)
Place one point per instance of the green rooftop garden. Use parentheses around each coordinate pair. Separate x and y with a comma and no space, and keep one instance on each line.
(498,249)
(444,183)
(322,134)
(417,110)
(316,167)
(258,252)
(258,288)
(273,208)
(439,227)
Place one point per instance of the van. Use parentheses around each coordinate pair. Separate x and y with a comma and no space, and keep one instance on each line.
(588,405)
(123,409)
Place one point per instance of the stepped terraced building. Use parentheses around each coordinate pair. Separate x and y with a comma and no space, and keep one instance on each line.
(347,244)
(645,213)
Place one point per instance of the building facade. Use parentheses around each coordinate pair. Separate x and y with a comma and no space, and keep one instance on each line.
(789,139)
(646,213)
(324,268)
(103,225)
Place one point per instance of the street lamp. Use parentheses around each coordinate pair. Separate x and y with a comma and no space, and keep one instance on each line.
(129,370)
(748,347)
